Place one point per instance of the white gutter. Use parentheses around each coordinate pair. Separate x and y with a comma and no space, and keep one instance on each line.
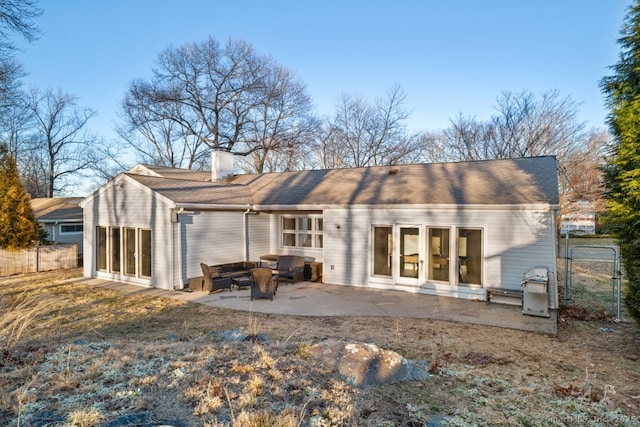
(211,207)
(245,234)
(451,207)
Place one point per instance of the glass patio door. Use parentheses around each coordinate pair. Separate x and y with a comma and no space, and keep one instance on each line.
(439,255)
(408,255)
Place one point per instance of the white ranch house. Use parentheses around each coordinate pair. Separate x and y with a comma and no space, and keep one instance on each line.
(447,229)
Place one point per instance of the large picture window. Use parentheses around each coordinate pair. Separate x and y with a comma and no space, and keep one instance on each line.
(114,242)
(145,253)
(382,250)
(130,251)
(302,231)
(101,248)
(470,256)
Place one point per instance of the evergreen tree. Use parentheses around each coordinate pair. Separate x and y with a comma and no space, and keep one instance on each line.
(18,227)
(622,171)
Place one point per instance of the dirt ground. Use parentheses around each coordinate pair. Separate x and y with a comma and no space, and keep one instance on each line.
(88,356)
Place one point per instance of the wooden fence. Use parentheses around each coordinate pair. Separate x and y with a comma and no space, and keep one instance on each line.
(38,258)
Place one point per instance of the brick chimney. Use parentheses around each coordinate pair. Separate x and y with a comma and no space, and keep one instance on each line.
(221,165)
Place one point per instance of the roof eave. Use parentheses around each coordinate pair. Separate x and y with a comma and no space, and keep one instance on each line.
(447,207)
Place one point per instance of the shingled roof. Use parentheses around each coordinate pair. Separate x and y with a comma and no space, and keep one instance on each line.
(529,180)
(57,209)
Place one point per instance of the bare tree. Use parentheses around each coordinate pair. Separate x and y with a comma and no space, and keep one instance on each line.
(155,138)
(467,139)
(281,122)
(526,126)
(580,173)
(366,134)
(523,126)
(432,147)
(60,146)
(207,96)
(15,117)
(16,18)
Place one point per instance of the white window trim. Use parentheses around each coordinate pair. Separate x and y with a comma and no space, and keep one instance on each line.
(70,232)
(314,232)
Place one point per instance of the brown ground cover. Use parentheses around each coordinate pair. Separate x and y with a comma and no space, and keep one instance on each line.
(78,355)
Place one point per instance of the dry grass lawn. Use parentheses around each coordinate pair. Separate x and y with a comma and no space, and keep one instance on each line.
(76,355)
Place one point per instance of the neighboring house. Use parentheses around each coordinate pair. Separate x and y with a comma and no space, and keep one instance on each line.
(447,229)
(580,220)
(61,218)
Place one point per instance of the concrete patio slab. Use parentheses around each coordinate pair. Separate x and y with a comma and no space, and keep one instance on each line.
(319,299)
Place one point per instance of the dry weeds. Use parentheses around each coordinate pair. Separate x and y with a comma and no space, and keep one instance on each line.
(91,356)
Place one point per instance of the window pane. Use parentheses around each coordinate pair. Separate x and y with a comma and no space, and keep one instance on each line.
(319,224)
(102,248)
(409,252)
(288,223)
(382,250)
(470,256)
(115,249)
(304,223)
(130,251)
(305,240)
(145,253)
(319,241)
(439,254)
(288,239)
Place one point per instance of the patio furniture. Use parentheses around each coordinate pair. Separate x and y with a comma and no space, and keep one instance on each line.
(291,267)
(241,281)
(263,285)
(212,281)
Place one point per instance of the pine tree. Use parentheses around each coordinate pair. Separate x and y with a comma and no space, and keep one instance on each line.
(622,171)
(18,227)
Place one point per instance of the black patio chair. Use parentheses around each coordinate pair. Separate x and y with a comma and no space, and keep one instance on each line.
(262,283)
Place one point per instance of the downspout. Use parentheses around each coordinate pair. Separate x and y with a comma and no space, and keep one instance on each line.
(245,233)
(176,236)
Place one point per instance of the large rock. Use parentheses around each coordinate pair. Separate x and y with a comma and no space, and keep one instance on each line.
(363,364)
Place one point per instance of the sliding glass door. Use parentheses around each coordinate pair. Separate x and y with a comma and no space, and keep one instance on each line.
(409,254)
(438,247)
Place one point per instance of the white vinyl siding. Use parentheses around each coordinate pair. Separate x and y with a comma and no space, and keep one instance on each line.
(210,237)
(259,236)
(217,237)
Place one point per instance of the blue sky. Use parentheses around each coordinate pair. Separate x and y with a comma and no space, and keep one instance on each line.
(450,57)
